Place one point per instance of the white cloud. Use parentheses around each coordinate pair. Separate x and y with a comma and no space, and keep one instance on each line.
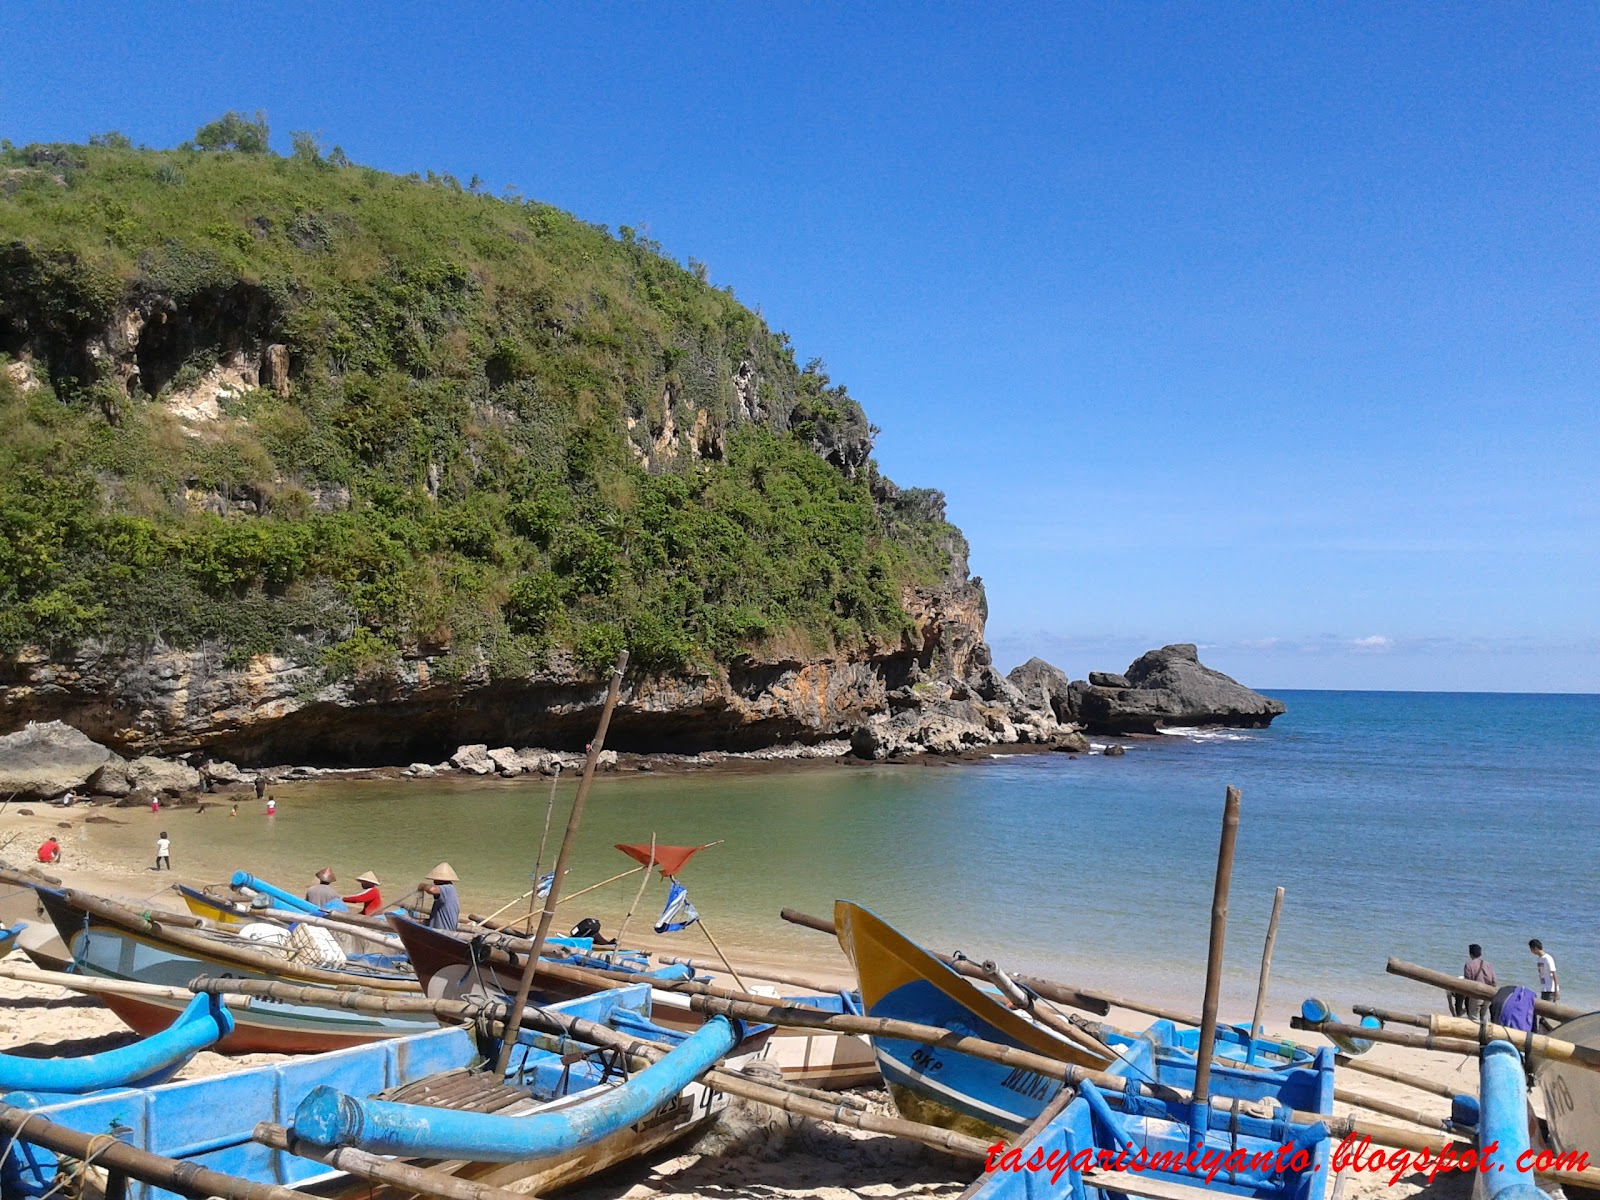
(1376,644)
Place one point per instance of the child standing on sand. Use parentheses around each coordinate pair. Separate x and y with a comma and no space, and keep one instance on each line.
(163,848)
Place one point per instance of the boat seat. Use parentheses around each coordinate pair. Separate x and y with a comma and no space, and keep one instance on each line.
(468,1091)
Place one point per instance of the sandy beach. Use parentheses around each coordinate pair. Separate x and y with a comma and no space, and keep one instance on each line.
(760,1153)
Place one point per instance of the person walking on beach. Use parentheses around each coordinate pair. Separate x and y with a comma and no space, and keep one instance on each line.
(163,850)
(1479,970)
(261,786)
(446,912)
(155,805)
(1549,984)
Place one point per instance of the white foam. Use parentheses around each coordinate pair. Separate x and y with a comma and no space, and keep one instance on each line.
(1194,733)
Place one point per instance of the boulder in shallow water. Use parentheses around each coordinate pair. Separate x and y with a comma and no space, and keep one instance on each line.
(46,758)
(1170,687)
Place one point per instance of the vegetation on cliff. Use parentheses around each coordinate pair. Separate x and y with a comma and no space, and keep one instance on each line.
(296,405)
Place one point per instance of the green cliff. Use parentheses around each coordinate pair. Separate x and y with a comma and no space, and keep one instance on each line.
(299,408)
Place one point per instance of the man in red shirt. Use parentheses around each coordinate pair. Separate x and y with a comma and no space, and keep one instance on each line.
(50,851)
(371,903)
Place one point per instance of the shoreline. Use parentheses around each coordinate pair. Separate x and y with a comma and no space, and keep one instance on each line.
(791,1160)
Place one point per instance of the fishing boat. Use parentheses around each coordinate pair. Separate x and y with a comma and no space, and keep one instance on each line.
(931,1085)
(451,966)
(111,941)
(1272,1116)
(20,909)
(1571,1093)
(901,980)
(560,1115)
(32,1082)
(8,936)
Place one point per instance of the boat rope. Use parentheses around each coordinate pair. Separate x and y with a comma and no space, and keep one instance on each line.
(72,1173)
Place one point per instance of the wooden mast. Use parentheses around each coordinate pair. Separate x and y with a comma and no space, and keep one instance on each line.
(1219,932)
(514,1018)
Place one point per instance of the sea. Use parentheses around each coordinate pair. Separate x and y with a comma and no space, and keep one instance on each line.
(1400,824)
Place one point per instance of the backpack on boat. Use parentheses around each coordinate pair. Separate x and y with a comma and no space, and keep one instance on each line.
(1513,1008)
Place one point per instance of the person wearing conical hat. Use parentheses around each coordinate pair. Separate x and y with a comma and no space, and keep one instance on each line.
(371,902)
(441,885)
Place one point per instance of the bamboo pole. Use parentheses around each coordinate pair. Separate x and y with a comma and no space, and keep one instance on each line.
(705,929)
(765,974)
(911,1031)
(735,1084)
(1266,972)
(1394,1037)
(1389,1108)
(184,1178)
(230,950)
(1389,1016)
(1045,1016)
(1471,987)
(639,895)
(1381,1072)
(552,896)
(92,985)
(286,916)
(384,1171)
(1219,933)
(509,925)
(1550,1048)
(1098,1003)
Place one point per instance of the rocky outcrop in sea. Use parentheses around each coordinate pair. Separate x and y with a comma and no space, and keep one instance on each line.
(1161,689)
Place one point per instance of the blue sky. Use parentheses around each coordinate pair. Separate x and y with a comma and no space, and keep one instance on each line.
(1268,327)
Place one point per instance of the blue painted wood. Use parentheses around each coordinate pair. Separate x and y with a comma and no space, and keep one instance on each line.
(284,899)
(8,936)
(1503,1123)
(329,1117)
(148,1061)
(1316,1010)
(210,1121)
(1102,1120)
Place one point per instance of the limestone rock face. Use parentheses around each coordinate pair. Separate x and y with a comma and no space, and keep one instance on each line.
(44,760)
(934,689)
(1168,687)
(162,775)
(1046,683)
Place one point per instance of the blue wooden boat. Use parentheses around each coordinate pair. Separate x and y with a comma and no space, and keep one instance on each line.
(900,979)
(1166,1140)
(583,1112)
(30,1082)
(8,936)
(450,965)
(111,941)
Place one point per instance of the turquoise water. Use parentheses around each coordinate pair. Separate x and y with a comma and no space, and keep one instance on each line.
(1400,824)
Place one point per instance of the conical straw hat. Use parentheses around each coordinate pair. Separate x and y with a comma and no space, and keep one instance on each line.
(367,877)
(444,871)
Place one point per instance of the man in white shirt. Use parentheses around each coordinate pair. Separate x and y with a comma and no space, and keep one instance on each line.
(1549,984)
